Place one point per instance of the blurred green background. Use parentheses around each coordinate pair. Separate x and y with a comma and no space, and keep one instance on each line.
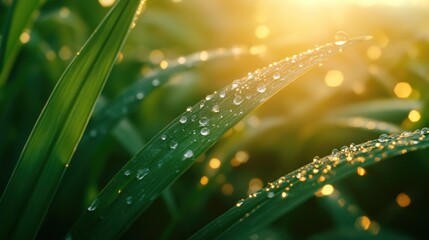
(380,86)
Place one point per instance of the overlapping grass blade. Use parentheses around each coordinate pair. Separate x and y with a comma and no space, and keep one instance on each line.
(194,201)
(60,126)
(265,206)
(170,153)
(108,114)
(20,16)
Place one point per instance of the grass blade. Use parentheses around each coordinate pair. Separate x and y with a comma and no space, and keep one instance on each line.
(60,126)
(20,16)
(160,162)
(265,206)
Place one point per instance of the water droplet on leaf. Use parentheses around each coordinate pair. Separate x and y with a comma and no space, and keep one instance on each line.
(93,205)
(215,108)
(183,119)
(204,121)
(141,173)
(188,154)
(341,38)
(140,95)
(173,145)
(205,131)
(261,88)
(129,200)
(238,100)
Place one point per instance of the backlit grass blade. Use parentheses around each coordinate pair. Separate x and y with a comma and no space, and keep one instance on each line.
(60,126)
(20,16)
(170,153)
(134,94)
(107,114)
(281,196)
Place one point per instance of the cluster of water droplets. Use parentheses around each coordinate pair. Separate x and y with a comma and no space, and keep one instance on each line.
(321,170)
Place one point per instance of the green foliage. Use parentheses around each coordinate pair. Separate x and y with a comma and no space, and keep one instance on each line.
(132,159)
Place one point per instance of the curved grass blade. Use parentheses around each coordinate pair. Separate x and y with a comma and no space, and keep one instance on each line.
(364,123)
(194,202)
(386,109)
(265,206)
(160,162)
(107,115)
(120,107)
(60,126)
(20,16)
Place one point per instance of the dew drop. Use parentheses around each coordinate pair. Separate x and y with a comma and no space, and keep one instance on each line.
(208,97)
(141,173)
(93,133)
(163,137)
(93,205)
(270,194)
(205,131)
(237,100)
(174,144)
(188,154)
(203,121)
(69,235)
(215,108)
(222,94)
(276,76)
(127,172)
(341,38)
(239,203)
(129,200)
(383,138)
(140,95)
(155,82)
(261,88)
(189,109)
(335,151)
(235,84)
(183,119)
(316,158)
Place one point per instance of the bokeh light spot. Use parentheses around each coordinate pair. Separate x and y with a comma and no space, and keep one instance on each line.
(204,180)
(214,163)
(373,53)
(334,78)
(106,3)
(361,171)
(403,200)
(262,31)
(414,116)
(227,189)
(326,190)
(363,222)
(24,37)
(255,184)
(402,89)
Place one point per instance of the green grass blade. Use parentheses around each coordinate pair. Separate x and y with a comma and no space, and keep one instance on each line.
(170,153)
(20,16)
(363,123)
(60,126)
(120,107)
(265,206)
